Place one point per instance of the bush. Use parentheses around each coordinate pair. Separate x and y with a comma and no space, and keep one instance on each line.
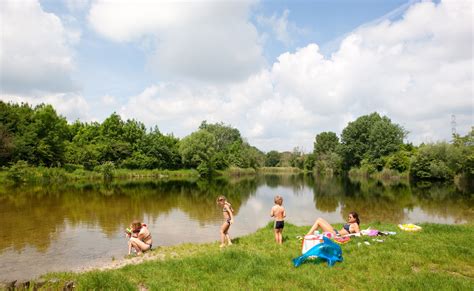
(328,164)
(53,174)
(20,172)
(107,169)
(440,161)
(399,161)
(70,168)
(367,167)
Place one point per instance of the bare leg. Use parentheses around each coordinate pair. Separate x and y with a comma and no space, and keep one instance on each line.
(276,234)
(129,247)
(138,245)
(280,236)
(323,224)
(229,242)
(223,233)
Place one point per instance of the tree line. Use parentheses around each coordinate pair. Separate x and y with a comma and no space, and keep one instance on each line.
(372,143)
(39,136)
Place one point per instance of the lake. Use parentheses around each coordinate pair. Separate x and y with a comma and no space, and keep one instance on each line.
(67,227)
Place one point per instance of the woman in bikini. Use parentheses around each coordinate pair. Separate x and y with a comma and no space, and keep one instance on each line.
(140,238)
(227,212)
(352,225)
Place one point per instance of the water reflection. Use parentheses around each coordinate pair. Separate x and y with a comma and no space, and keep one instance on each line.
(38,221)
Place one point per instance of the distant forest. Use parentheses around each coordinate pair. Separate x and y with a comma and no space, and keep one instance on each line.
(38,136)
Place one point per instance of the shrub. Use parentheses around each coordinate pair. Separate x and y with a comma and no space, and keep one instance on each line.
(107,169)
(19,172)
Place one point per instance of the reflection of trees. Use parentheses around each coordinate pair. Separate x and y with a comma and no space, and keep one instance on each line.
(446,200)
(36,215)
(294,181)
(375,201)
(327,193)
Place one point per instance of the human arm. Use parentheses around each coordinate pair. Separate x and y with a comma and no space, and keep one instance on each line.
(271,212)
(284,213)
(354,228)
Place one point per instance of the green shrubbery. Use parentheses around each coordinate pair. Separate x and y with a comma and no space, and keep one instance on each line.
(20,172)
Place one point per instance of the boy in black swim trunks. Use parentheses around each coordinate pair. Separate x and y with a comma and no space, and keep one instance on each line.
(278,212)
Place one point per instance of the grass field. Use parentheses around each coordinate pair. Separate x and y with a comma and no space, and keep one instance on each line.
(440,257)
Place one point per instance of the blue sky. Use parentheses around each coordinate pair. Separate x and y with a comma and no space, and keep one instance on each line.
(279,71)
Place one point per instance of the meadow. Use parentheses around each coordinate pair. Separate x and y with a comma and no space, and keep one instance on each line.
(439,257)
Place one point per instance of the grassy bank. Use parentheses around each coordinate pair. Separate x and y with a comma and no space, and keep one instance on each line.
(384,175)
(279,170)
(237,172)
(438,257)
(61,175)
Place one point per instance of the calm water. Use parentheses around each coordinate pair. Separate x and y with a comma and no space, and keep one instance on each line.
(67,227)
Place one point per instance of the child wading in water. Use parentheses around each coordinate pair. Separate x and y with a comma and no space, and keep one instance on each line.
(278,212)
(227,212)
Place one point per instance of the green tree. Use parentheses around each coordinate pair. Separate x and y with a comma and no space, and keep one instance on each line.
(197,151)
(272,159)
(225,135)
(325,142)
(370,137)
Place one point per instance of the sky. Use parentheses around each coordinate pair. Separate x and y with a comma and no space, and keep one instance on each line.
(279,71)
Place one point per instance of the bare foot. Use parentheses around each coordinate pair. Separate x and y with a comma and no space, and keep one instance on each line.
(229,243)
(222,245)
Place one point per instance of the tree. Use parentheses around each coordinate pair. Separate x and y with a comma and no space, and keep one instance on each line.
(50,132)
(272,159)
(370,137)
(197,150)
(325,142)
(225,135)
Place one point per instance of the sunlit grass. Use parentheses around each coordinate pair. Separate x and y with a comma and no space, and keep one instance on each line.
(438,257)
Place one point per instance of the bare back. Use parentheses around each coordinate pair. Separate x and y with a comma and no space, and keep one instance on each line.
(278,212)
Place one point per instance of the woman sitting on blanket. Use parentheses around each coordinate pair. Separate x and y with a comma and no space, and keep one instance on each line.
(352,225)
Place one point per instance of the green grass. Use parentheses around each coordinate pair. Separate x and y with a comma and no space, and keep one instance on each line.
(440,257)
(44,175)
(278,170)
(237,172)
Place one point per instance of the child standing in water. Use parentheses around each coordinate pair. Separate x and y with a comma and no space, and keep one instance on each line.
(278,212)
(227,212)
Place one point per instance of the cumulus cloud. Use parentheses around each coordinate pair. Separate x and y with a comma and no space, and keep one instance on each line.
(108,100)
(198,40)
(77,5)
(283,30)
(416,70)
(35,52)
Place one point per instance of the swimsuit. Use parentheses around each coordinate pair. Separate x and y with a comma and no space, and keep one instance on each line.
(147,238)
(347,227)
(225,210)
(279,224)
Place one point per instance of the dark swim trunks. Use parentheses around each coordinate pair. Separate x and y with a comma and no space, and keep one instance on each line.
(279,224)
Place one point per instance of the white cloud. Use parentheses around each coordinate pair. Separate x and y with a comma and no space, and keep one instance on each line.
(417,70)
(108,100)
(283,30)
(35,52)
(77,5)
(200,40)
